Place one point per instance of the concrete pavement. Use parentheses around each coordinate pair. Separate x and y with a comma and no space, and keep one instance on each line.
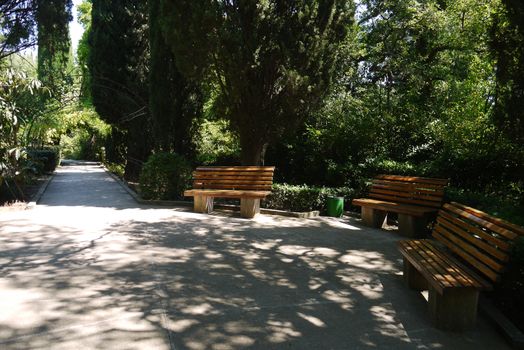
(88,268)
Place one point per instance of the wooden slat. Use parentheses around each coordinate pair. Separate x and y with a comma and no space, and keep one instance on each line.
(482,222)
(236,168)
(474,230)
(392,206)
(427,180)
(465,275)
(261,180)
(407,185)
(473,278)
(472,241)
(446,266)
(232,183)
(234,173)
(486,271)
(408,188)
(231,187)
(405,200)
(414,194)
(426,268)
(226,193)
(500,222)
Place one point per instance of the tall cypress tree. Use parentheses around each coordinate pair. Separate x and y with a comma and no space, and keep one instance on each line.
(54,44)
(118,63)
(174,101)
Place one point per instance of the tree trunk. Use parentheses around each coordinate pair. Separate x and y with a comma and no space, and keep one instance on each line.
(252,150)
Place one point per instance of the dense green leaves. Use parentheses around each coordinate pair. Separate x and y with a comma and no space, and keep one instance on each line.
(273,61)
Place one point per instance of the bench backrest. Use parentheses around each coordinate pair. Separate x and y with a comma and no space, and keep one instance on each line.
(482,241)
(256,178)
(423,191)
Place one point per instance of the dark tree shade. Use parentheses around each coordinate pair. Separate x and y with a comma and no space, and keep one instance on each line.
(508,46)
(174,101)
(272,60)
(118,63)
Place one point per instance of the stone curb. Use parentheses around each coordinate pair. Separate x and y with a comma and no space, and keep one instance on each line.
(510,332)
(38,195)
(138,199)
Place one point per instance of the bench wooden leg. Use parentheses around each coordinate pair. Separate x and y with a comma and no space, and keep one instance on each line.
(413,278)
(249,207)
(455,310)
(412,226)
(203,204)
(373,217)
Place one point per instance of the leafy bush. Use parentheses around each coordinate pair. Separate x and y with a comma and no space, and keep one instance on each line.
(49,158)
(303,197)
(164,176)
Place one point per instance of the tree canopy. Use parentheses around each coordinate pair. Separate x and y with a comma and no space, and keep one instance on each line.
(272,62)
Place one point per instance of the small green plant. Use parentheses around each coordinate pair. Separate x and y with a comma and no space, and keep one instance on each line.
(165,176)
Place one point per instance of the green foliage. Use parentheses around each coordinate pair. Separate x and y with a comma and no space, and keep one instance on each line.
(49,158)
(272,61)
(217,144)
(118,64)
(506,203)
(303,197)
(117,169)
(82,55)
(83,135)
(165,176)
(53,17)
(17,20)
(174,101)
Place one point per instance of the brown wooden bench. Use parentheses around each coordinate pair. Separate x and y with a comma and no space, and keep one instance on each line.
(415,199)
(248,183)
(468,254)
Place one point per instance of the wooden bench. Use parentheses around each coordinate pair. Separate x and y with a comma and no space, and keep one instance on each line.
(415,199)
(248,183)
(468,254)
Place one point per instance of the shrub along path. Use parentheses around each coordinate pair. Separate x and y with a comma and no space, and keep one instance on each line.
(88,268)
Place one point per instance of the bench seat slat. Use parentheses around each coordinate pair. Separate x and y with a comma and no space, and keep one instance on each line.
(404,200)
(467,276)
(413,195)
(226,193)
(446,271)
(409,186)
(441,271)
(392,206)
(235,168)
(235,173)
(231,187)
(426,180)
(416,256)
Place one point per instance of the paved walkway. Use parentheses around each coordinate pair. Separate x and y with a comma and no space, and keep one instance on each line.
(88,268)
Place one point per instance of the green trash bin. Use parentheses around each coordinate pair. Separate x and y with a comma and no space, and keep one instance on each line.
(335,206)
